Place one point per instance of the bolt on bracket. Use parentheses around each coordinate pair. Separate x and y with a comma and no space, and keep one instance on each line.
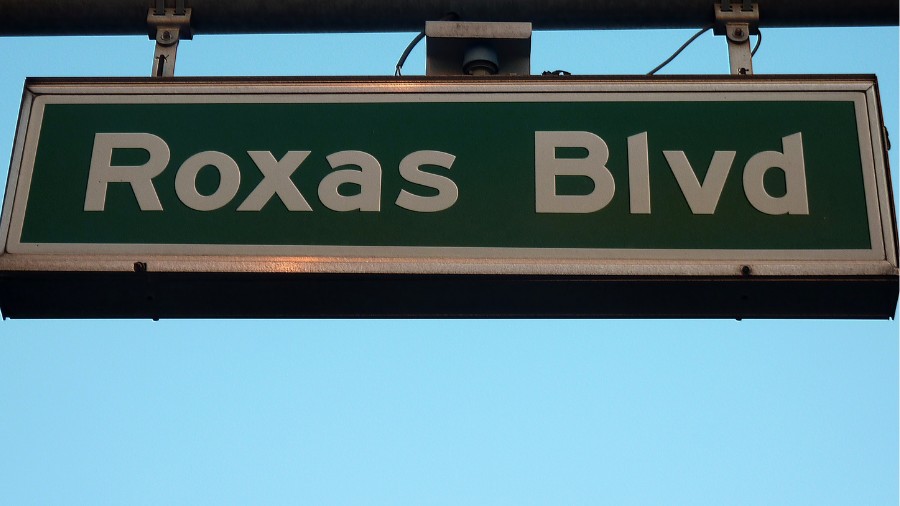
(167,29)
(737,21)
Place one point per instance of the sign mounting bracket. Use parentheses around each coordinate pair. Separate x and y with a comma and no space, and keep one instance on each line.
(737,21)
(167,26)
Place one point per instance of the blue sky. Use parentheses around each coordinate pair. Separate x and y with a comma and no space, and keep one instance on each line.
(449,412)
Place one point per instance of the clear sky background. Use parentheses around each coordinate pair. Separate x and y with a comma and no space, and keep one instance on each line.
(449,412)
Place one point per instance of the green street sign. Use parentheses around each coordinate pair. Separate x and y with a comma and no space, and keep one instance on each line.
(531,176)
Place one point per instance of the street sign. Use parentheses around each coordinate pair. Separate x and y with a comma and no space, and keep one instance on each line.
(752,194)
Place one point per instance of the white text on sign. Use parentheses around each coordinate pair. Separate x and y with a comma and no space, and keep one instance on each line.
(702,197)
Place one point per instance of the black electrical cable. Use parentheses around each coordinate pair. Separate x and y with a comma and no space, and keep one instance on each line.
(451,16)
(408,50)
(680,49)
(758,43)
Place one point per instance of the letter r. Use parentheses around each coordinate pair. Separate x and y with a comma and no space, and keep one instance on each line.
(103,172)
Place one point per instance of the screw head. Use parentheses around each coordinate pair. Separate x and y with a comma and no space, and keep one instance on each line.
(166,35)
(738,32)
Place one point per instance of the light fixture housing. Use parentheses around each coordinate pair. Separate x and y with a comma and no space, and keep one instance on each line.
(452,47)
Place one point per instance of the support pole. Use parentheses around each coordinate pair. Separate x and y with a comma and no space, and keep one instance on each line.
(736,21)
(167,27)
(740,58)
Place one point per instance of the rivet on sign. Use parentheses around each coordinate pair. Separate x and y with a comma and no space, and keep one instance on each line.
(745,270)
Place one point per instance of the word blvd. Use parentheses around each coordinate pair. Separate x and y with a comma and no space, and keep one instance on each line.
(702,196)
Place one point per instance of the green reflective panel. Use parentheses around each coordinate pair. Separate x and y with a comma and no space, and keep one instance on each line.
(803,159)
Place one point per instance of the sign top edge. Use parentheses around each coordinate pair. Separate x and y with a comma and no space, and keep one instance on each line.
(390,84)
(481,80)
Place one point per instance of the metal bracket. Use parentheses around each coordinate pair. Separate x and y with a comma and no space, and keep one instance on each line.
(737,21)
(167,27)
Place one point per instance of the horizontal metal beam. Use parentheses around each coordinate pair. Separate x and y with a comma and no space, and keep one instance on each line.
(121,17)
